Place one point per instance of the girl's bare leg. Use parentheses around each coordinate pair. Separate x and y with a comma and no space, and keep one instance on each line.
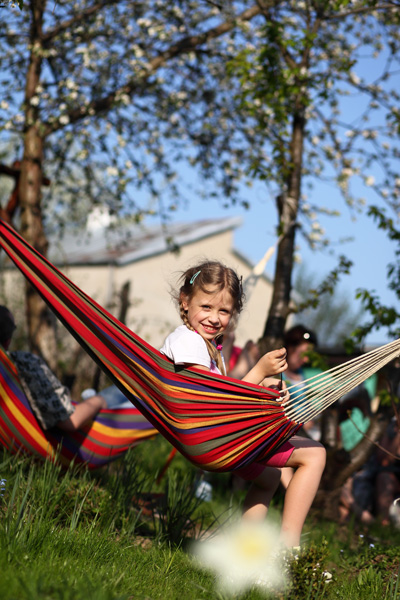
(260,494)
(308,458)
(287,474)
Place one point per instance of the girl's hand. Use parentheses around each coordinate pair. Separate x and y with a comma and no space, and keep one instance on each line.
(277,385)
(274,362)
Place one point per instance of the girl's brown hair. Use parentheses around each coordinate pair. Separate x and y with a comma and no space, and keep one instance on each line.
(210,277)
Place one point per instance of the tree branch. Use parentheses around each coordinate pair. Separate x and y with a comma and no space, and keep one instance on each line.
(87,12)
(363,9)
(185,45)
(264,9)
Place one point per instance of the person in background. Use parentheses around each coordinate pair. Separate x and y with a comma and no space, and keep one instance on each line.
(50,401)
(387,483)
(298,341)
(373,493)
(238,360)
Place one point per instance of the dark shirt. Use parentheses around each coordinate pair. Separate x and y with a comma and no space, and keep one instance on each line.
(48,398)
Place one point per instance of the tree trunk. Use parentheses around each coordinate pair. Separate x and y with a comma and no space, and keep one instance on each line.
(123,311)
(39,318)
(288,207)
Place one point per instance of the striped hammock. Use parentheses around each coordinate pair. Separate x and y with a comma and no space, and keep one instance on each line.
(96,444)
(218,423)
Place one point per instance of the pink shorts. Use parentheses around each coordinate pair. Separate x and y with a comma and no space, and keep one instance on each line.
(279,460)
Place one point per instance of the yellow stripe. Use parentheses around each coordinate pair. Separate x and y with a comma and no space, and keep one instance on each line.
(120,433)
(36,434)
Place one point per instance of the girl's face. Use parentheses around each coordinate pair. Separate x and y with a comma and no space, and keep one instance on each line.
(209,313)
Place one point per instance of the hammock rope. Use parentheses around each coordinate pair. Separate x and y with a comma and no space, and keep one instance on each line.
(310,397)
(217,423)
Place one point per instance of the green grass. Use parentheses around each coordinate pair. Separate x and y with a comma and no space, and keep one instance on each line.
(79,535)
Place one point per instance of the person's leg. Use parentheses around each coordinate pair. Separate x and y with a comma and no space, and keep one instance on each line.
(84,412)
(346,500)
(308,458)
(261,491)
(387,488)
(286,477)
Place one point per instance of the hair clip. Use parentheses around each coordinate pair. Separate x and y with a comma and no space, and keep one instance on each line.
(194,277)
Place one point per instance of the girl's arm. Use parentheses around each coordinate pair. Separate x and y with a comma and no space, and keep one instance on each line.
(272,363)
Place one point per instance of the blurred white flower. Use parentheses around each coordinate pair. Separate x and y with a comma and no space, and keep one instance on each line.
(112,171)
(243,555)
(347,172)
(370,180)
(82,154)
(369,134)
(354,78)
(327,576)
(121,141)
(143,22)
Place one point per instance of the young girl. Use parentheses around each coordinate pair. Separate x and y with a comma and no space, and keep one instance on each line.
(210,297)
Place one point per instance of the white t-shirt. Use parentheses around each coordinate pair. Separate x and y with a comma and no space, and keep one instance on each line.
(184,346)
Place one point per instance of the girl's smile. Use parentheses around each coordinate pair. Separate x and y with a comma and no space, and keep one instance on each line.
(209,312)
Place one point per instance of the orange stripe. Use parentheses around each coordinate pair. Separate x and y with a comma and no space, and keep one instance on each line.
(24,425)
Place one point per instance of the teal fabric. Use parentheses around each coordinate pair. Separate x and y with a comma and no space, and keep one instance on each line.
(371,384)
(352,430)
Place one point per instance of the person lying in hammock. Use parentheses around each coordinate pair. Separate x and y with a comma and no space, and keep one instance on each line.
(50,400)
(210,297)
